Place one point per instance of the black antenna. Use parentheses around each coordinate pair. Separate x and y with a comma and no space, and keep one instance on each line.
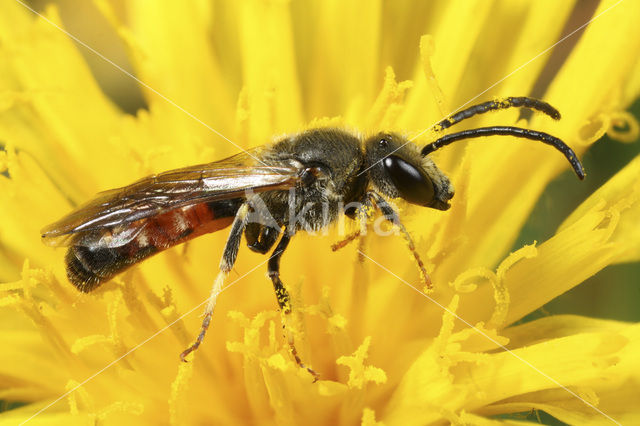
(509,131)
(511,102)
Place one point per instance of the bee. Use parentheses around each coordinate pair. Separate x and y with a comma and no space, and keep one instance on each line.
(300,183)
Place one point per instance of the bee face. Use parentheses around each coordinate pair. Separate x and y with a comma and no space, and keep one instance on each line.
(398,170)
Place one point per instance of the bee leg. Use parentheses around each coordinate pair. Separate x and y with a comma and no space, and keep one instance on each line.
(392,216)
(346,240)
(361,214)
(364,215)
(260,238)
(226,263)
(284,300)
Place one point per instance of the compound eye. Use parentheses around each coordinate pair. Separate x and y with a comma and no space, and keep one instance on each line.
(411,183)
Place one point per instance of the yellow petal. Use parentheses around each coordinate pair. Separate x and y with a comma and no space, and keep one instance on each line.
(577,384)
(621,192)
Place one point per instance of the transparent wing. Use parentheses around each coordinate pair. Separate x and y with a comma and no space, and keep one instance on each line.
(116,216)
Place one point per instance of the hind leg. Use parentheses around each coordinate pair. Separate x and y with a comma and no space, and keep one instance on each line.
(226,263)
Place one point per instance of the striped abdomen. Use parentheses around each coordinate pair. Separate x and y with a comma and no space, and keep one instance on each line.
(88,267)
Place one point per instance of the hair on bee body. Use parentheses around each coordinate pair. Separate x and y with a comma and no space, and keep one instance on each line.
(301,183)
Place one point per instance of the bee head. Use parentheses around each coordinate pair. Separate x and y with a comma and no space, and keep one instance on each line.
(399,170)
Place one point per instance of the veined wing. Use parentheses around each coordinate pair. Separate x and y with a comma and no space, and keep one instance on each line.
(116,216)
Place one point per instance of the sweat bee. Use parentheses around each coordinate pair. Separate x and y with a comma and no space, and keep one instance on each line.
(301,182)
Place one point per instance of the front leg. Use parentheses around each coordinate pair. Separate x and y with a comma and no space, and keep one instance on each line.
(392,216)
(283,297)
(364,212)
(361,214)
(346,240)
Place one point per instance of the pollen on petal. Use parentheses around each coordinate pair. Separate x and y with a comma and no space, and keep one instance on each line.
(361,374)
(79,398)
(369,418)
(337,321)
(178,400)
(427,48)
(624,127)
(466,282)
(250,344)
(385,109)
(500,290)
(277,362)
(593,129)
(85,342)
(127,407)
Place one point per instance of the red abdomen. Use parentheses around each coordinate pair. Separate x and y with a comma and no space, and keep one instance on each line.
(88,267)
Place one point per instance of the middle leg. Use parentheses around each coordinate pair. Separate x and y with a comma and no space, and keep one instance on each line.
(362,215)
(284,299)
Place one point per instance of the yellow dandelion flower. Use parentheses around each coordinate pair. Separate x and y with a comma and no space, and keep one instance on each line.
(386,353)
